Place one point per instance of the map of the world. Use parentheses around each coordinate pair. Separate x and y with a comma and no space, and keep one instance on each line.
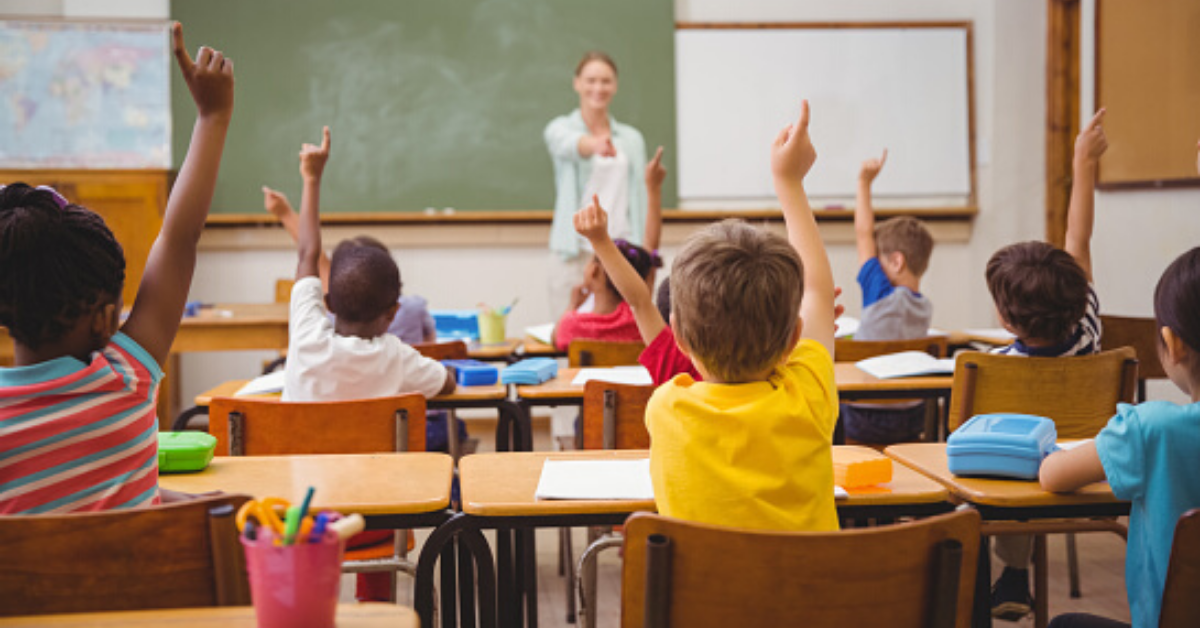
(75,95)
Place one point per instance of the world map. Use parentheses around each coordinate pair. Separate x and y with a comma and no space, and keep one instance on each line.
(75,95)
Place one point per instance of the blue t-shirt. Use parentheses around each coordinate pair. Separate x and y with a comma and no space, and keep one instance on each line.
(874,282)
(1151,457)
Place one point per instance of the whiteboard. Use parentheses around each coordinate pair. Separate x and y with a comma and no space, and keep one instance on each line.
(906,89)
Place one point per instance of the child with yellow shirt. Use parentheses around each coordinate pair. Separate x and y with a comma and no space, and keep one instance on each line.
(750,445)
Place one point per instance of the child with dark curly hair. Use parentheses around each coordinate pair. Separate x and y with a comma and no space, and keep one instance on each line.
(78,430)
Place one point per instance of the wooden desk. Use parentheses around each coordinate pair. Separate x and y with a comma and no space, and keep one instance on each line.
(531,348)
(498,492)
(234,327)
(1007,499)
(413,487)
(363,615)
(498,352)
(852,384)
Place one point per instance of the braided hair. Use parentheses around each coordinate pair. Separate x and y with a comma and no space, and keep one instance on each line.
(57,260)
(643,262)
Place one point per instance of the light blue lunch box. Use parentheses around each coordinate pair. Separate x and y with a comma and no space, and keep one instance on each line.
(1001,445)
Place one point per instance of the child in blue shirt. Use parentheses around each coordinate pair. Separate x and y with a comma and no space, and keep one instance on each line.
(1148,453)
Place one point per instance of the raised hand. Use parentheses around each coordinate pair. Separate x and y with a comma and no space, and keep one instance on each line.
(209,78)
(792,152)
(276,203)
(871,167)
(655,172)
(313,158)
(591,222)
(1091,143)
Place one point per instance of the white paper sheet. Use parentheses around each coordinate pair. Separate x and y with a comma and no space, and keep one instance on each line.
(906,364)
(541,333)
(633,375)
(595,479)
(846,326)
(263,385)
(839,492)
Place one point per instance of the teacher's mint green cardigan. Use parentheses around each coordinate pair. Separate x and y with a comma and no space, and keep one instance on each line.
(572,172)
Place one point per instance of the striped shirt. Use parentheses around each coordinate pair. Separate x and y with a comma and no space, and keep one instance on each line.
(1085,340)
(80,437)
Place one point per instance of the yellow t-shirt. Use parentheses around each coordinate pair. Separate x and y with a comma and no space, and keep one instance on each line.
(755,455)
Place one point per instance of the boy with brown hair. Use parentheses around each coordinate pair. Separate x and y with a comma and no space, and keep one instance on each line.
(1044,295)
(750,446)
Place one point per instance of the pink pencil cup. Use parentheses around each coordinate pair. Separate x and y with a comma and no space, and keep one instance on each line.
(294,586)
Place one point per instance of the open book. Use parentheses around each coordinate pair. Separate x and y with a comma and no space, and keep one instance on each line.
(263,385)
(604,480)
(541,333)
(906,364)
(633,375)
(847,326)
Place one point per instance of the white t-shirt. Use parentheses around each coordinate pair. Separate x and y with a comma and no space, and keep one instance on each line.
(610,181)
(323,366)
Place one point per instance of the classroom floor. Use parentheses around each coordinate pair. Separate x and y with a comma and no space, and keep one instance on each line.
(1101,565)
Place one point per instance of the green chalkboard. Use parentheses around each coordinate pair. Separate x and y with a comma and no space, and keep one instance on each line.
(432,103)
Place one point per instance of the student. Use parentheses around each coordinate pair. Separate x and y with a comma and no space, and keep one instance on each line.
(610,319)
(413,323)
(768,399)
(1148,453)
(1045,297)
(78,430)
(892,257)
(353,356)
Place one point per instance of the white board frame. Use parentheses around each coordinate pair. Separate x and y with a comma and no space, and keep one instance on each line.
(727,116)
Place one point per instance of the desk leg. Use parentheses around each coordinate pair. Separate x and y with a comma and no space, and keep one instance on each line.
(441,543)
(450,593)
(529,560)
(981,612)
(505,576)
(466,583)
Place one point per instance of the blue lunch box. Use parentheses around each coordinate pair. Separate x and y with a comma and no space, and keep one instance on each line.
(474,372)
(1001,445)
(530,371)
(456,324)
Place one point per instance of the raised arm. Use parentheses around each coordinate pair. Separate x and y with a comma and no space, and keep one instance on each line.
(154,319)
(308,243)
(592,223)
(276,203)
(792,155)
(1089,146)
(864,214)
(655,173)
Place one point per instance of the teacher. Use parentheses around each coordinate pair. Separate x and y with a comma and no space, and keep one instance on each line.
(592,154)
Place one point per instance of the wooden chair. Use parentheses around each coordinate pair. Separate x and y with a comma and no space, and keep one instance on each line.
(178,555)
(262,427)
(614,417)
(1079,393)
(1142,335)
(908,575)
(600,353)
(849,350)
(1181,595)
(453,350)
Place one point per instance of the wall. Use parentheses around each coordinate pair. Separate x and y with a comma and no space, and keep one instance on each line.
(1010,112)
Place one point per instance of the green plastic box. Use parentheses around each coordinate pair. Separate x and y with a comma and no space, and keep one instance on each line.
(183,452)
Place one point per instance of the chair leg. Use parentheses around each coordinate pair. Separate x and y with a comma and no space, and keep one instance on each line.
(1041,586)
(587,582)
(1073,566)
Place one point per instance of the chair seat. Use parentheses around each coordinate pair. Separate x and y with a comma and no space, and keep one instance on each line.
(385,547)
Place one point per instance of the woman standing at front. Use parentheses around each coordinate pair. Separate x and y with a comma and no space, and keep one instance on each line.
(592,154)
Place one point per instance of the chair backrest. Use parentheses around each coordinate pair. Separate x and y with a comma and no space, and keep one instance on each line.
(909,575)
(1181,594)
(1079,393)
(614,416)
(283,290)
(848,350)
(453,350)
(178,555)
(1139,333)
(266,427)
(602,353)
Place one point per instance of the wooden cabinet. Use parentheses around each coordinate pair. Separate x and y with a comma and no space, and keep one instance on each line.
(130,201)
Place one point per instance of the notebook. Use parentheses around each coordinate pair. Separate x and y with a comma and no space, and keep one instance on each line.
(906,364)
(633,375)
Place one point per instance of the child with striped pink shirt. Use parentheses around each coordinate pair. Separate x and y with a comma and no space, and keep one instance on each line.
(78,430)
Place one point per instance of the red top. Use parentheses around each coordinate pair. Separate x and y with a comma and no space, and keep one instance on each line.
(664,359)
(619,326)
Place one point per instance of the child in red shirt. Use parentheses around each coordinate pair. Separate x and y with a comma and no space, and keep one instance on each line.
(611,319)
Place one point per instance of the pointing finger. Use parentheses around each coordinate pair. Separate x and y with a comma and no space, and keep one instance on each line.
(325,140)
(1096,119)
(883,159)
(802,124)
(181,54)
(657,156)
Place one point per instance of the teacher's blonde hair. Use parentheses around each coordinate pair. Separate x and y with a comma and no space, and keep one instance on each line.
(595,55)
